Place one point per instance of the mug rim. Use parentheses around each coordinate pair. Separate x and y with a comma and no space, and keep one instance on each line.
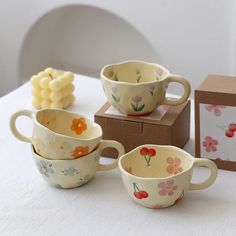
(155,178)
(63,135)
(133,61)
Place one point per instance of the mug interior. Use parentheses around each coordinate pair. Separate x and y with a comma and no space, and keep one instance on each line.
(153,161)
(68,123)
(135,72)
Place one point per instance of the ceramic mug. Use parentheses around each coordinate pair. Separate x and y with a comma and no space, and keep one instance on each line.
(59,134)
(137,88)
(74,173)
(159,176)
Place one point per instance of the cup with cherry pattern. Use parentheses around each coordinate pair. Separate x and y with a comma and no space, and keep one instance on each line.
(158,176)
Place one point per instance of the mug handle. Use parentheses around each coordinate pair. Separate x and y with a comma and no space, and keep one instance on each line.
(213,168)
(110,143)
(14,130)
(184,83)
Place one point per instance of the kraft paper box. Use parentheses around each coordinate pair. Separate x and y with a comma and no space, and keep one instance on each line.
(169,125)
(215,120)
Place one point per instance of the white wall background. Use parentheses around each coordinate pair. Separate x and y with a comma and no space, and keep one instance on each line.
(189,37)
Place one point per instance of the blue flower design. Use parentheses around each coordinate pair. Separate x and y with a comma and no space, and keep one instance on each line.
(70,172)
(84,180)
(45,168)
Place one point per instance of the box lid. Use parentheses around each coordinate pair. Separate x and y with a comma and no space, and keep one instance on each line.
(219,84)
(167,120)
(218,90)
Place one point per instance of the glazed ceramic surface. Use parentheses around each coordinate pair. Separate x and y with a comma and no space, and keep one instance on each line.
(74,173)
(159,176)
(136,87)
(59,134)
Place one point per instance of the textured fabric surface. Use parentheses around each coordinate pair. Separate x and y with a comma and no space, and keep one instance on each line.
(28,206)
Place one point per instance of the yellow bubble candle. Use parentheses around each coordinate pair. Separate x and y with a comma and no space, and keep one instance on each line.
(52,88)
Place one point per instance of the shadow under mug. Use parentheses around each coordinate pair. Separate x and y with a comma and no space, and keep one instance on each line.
(74,173)
(158,176)
(59,134)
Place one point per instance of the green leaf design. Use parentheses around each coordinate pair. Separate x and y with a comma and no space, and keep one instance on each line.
(115,98)
(141,108)
(138,79)
(116,78)
(134,107)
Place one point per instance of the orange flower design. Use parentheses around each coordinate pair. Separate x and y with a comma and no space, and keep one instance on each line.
(79,151)
(78,125)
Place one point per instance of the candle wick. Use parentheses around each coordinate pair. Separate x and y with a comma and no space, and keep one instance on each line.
(50,76)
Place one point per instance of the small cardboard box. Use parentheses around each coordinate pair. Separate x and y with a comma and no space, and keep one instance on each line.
(169,125)
(215,120)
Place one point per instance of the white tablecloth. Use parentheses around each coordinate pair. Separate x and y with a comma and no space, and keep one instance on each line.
(28,206)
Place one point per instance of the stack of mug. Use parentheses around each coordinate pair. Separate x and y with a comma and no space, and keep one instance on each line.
(66,146)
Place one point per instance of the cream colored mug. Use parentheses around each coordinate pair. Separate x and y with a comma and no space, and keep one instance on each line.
(159,176)
(137,88)
(59,134)
(74,173)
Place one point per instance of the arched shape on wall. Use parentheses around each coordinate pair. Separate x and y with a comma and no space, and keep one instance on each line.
(82,39)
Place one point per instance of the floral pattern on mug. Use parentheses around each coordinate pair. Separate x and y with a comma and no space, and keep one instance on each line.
(210,144)
(147,153)
(174,165)
(167,188)
(70,171)
(79,151)
(45,168)
(136,106)
(78,125)
(114,95)
(151,90)
(139,76)
(139,194)
(83,180)
(110,72)
(129,170)
(215,109)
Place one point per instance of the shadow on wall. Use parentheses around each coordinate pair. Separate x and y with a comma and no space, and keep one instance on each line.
(82,39)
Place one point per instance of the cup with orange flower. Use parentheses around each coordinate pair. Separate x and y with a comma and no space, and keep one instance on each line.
(63,138)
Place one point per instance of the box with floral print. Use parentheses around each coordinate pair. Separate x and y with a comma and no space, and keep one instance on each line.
(215,120)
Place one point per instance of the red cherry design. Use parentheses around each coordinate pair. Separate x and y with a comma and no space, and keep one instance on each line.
(138,195)
(144,151)
(232,127)
(229,133)
(147,154)
(151,152)
(143,193)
